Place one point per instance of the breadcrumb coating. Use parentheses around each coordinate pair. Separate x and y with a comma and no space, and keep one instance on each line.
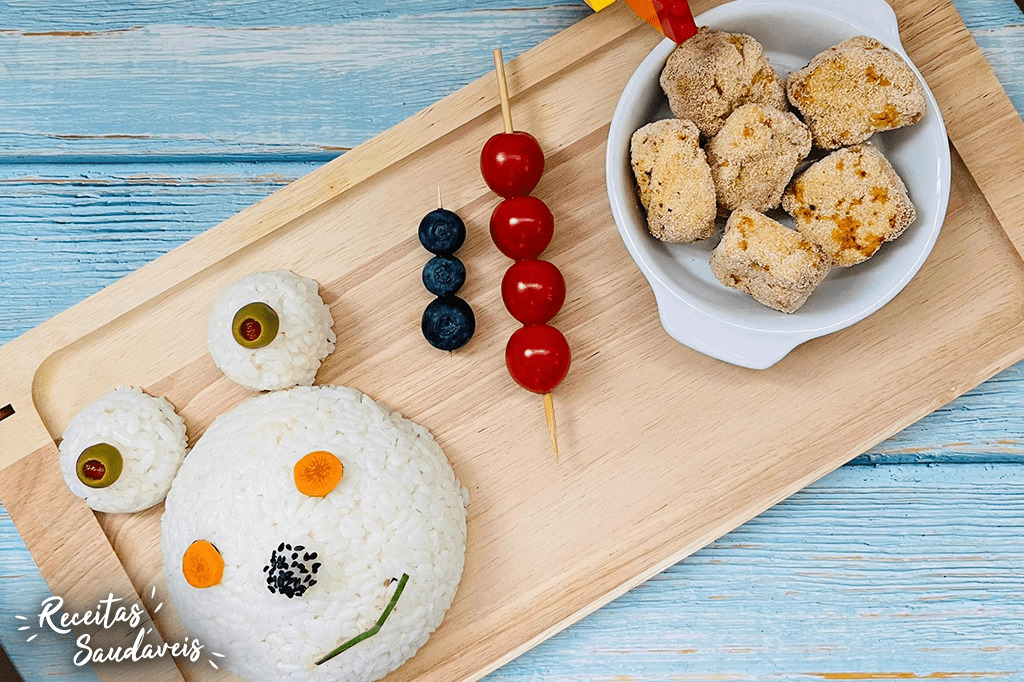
(854,89)
(850,203)
(768,260)
(673,180)
(714,72)
(754,155)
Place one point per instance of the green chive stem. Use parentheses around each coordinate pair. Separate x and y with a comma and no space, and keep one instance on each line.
(376,628)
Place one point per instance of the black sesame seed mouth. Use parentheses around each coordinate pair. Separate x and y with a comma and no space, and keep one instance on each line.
(291,570)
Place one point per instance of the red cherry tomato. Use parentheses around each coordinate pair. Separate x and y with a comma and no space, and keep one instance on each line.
(521,227)
(512,163)
(537,357)
(533,291)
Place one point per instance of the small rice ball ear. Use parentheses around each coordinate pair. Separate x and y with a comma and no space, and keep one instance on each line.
(121,452)
(270,331)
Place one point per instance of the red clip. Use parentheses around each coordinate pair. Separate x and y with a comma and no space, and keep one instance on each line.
(676,19)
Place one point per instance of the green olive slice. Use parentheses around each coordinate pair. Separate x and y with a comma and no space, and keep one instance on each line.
(99,465)
(255,325)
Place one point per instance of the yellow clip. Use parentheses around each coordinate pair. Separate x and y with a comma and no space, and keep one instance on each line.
(598,5)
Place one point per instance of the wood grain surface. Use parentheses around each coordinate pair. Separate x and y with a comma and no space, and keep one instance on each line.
(949,442)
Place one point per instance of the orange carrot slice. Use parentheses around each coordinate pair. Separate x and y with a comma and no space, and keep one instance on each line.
(202,564)
(318,473)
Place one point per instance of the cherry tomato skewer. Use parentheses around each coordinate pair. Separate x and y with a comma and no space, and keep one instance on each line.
(512,164)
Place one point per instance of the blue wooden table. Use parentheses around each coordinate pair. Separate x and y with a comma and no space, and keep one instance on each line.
(127,128)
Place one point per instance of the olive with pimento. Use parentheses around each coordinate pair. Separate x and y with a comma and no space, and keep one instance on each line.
(99,465)
(255,325)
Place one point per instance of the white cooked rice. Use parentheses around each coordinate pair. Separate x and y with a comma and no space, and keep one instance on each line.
(146,431)
(303,340)
(398,509)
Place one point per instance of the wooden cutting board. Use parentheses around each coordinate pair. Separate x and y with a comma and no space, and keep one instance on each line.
(663,449)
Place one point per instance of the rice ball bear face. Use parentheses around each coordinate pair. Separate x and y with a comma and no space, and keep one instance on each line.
(298,521)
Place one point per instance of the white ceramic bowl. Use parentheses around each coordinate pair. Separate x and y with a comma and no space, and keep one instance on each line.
(727,324)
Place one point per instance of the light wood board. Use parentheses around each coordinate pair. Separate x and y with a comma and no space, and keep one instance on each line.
(664,449)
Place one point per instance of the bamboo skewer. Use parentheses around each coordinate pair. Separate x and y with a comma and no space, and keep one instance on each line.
(506,117)
(549,415)
(499,70)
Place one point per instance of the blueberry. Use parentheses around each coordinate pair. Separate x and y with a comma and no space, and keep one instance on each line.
(443,275)
(448,323)
(442,232)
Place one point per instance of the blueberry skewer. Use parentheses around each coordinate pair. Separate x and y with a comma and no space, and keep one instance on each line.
(448,322)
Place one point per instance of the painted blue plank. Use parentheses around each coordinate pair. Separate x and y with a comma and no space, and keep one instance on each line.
(986,15)
(120,15)
(292,92)
(203,87)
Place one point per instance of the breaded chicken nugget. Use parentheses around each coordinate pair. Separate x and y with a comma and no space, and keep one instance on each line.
(674,181)
(769,261)
(850,203)
(714,72)
(853,89)
(754,155)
